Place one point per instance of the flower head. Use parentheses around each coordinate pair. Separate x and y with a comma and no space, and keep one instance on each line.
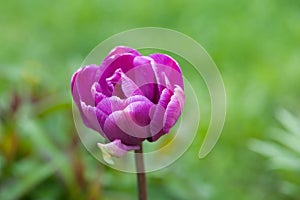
(130,98)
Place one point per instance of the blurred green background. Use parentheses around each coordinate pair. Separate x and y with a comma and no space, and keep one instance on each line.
(255,44)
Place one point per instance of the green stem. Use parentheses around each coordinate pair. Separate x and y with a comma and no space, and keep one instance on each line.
(141,175)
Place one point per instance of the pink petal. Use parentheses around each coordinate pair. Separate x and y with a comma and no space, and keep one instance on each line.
(114,103)
(139,112)
(155,70)
(121,50)
(145,77)
(108,68)
(113,131)
(85,78)
(98,96)
(129,123)
(166,60)
(123,119)
(114,79)
(89,114)
(174,109)
(101,117)
(111,104)
(157,124)
(82,78)
(165,66)
(73,79)
(127,86)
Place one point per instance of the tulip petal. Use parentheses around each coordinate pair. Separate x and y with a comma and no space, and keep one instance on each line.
(98,96)
(114,79)
(127,86)
(164,65)
(73,79)
(136,98)
(110,104)
(123,61)
(114,103)
(140,112)
(90,114)
(166,60)
(86,77)
(157,124)
(125,122)
(101,117)
(174,109)
(129,124)
(119,50)
(145,77)
(152,68)
(114,149)
(82,79)
(113,131)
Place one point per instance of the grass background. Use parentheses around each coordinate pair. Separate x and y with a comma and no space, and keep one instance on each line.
(255,44)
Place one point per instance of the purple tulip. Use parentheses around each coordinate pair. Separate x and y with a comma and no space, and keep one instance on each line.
(129,98)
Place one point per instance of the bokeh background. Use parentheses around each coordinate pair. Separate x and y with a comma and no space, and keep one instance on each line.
(255,44)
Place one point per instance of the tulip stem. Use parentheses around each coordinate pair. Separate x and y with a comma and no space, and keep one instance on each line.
(141,175)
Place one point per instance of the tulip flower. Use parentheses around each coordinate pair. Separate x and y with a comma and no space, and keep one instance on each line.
(129,98)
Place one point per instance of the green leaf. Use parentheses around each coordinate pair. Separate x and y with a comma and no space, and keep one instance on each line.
(34,174)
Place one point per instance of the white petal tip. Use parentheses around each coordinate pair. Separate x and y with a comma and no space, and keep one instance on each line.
(114,149)
(105,155)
